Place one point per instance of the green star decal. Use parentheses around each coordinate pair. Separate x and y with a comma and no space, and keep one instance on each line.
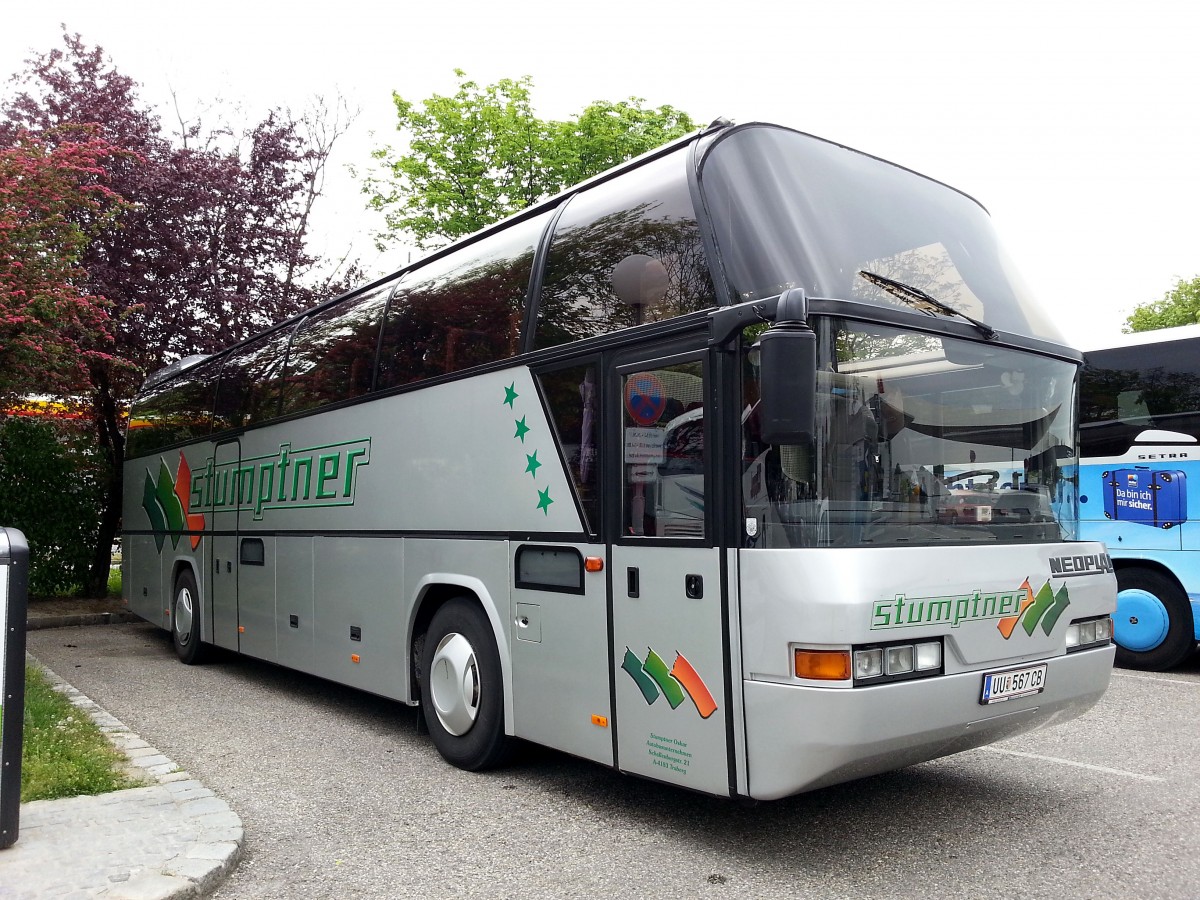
(522,429)
(510,395)
(532,464)
(544,501)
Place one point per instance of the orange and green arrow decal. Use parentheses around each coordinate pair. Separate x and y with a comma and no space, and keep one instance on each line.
(1045,609)
(168,505)
(653,677)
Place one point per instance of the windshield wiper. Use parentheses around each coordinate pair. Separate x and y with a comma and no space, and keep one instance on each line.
(918,299)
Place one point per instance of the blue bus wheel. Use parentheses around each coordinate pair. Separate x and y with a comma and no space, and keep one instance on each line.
(1153,622)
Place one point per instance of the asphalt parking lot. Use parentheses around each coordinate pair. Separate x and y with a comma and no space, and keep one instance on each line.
(340,797)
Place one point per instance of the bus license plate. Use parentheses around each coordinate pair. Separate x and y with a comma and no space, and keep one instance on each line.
(999,686)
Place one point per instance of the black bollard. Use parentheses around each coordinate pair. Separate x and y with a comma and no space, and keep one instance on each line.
(14,583)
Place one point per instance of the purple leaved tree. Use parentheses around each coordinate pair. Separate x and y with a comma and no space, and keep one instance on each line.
(209,248)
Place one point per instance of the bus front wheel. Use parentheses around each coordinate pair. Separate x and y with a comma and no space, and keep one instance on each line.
(461,687)
(1153,623)
(185,619)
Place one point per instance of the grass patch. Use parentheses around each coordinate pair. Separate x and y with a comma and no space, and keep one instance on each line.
(114,581)
(65,753)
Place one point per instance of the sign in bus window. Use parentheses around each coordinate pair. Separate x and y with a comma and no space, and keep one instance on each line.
(663,452)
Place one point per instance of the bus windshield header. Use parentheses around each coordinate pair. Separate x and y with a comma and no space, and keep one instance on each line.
(790,210)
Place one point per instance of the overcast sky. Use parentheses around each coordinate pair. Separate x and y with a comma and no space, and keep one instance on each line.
(1074,123)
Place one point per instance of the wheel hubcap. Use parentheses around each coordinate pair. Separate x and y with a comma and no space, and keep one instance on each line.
(1141,622)
(184,615)
(454,684)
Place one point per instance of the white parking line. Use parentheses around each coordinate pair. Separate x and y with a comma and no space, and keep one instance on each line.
(1070,762)
(1156,678)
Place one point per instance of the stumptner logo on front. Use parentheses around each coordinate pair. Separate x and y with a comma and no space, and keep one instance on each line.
(1007,608)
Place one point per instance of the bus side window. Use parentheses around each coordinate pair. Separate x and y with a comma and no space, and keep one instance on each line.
(248,390)
(461,310)
(178,410)
(647,211)
(332,355)
(572,396)
(1132,405)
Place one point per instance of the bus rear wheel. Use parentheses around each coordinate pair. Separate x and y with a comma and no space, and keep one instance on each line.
(1153,623)
(185,619)
(461,687)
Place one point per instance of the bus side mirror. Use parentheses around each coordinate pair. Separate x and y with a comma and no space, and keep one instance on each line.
(787,354)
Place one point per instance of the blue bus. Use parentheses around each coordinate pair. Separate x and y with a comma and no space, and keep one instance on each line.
(1140,446)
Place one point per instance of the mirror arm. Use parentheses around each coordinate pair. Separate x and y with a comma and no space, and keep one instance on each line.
(726,322)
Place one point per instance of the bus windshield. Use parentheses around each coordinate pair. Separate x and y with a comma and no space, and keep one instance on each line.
(920,440)
(790,210)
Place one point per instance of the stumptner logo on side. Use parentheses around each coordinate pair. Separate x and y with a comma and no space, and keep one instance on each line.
(325,475)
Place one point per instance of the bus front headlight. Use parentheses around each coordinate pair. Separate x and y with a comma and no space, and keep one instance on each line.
(1084,634)
(882,663)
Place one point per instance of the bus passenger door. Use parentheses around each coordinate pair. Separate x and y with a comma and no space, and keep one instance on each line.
(668,638)
(222,556)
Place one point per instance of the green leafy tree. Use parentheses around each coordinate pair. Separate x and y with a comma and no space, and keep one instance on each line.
(1178,306)
(51,475)
(482,154)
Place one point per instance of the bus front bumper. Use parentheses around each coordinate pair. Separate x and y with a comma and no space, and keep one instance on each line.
(799,738)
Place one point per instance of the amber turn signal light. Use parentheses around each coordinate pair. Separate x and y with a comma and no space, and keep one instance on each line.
(593,564)
(823,665)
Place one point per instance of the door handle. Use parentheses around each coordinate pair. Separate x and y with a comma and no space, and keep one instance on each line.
(634,582)
(693,586)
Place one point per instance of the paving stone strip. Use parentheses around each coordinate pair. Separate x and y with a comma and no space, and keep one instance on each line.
(170,838)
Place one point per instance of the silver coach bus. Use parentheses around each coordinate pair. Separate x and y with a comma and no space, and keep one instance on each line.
(674,471)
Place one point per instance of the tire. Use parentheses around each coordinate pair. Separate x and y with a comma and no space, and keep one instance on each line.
(185,620)
(1153,625)
(461,687)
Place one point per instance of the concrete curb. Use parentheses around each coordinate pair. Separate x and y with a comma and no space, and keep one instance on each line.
(214,832)
(35,623)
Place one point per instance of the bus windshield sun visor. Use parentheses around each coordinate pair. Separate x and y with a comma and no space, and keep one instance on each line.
(1022,435)
(918,299)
